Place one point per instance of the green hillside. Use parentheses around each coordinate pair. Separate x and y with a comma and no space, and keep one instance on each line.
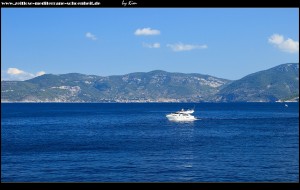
(268,85)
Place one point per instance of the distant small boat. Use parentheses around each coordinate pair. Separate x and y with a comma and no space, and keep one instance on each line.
(286,105)
(183,115)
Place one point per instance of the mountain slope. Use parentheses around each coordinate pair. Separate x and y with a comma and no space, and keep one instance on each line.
(269,85)
(158,86)
(276,84)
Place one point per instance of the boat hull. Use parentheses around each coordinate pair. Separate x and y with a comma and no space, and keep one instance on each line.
(174,117)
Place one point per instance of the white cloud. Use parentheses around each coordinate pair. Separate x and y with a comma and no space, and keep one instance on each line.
(90,36)
(287,45)
(18,74)
(146,32)
(276,39)
(14,71)
(154,45)
(40,73)
(185,47)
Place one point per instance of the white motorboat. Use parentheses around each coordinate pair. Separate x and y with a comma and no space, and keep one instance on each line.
(183,115)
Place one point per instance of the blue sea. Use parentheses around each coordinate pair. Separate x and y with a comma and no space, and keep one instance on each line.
(108,142)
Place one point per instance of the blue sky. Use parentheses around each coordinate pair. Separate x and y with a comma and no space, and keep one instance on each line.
(223,42)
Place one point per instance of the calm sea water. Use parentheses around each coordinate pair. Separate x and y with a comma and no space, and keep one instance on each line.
(240,142)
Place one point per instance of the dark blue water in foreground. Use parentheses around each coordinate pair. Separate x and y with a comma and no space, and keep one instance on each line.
(240,142)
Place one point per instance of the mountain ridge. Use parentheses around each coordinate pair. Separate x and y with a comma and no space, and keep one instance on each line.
(270,85)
